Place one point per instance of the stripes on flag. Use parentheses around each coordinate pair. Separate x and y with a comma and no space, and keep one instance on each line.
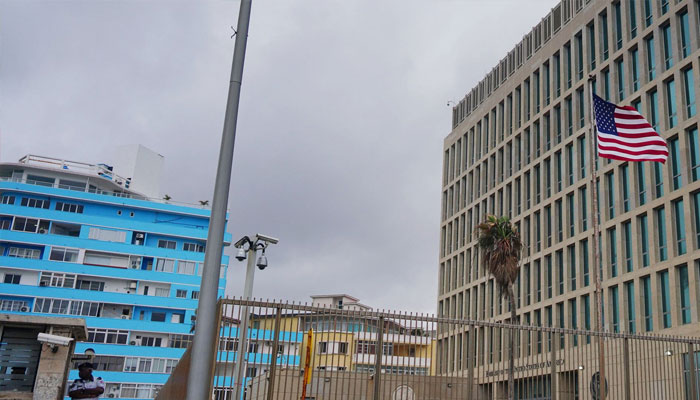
(624,134)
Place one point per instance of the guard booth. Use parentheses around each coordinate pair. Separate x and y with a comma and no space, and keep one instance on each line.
(33,369)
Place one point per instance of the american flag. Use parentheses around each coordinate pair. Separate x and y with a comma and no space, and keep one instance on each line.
(624,134)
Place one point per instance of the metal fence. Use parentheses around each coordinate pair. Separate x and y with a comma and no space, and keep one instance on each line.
(296,350)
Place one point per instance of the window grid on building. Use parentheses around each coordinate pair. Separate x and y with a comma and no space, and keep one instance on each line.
(649,64)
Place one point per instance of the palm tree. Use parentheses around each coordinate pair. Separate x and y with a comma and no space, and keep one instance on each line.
(501,245)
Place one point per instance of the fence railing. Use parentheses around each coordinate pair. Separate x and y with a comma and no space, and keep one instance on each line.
(328,353)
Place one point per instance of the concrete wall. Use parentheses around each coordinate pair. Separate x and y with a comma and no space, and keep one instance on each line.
(356,386)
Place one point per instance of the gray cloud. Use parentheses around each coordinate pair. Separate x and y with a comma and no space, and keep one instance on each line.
(341,123)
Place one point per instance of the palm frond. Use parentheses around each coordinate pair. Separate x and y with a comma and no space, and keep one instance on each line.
(501,246)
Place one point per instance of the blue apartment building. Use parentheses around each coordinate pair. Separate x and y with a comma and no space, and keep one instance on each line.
(75,240)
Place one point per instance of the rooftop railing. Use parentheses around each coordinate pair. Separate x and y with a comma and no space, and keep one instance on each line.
(113,193)
(102,170)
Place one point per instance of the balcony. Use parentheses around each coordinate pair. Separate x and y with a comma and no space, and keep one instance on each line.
(398,361)
(87,188)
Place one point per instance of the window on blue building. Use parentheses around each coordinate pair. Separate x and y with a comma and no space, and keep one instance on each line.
(165,265)
(69,207)
(63,254)
(195,247)
(158,316)
(167,244)
(57,279)
(35,203)
(24,252)
(7,199)
(65,229)
(186,267)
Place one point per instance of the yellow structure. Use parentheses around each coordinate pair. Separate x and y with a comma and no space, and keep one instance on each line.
(345,343)
(351,344)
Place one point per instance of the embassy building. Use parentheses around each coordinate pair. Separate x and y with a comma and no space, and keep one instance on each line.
(520,147)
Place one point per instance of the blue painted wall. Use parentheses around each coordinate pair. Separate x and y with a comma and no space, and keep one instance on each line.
(156,220)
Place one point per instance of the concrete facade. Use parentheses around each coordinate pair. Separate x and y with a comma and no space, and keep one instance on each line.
(358,386)
(520,146)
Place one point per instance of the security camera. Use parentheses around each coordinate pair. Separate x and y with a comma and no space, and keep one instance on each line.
(262,262)
(54,340)
(240,255)
(265,238)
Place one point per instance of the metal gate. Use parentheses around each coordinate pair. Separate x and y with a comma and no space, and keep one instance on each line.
(19,359)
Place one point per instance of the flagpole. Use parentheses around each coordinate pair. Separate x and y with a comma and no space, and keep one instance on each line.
(596,250)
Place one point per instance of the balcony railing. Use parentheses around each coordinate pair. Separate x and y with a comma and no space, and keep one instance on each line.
(87,189)
(403,361)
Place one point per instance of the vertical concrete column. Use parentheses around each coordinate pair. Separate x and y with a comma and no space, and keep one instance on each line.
(552,365)
(52,372)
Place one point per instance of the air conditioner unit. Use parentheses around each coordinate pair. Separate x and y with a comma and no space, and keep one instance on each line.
(43,283)
(111,395)
(24,309)
(133,343)
(125,317)
(132,285)
(42,230)
(139,236)
(134,265)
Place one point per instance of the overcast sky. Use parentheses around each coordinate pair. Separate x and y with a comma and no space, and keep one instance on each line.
(342,119)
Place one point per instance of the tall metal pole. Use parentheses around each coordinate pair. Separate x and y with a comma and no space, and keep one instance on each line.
(204,344)
(596,250)
(239,367)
